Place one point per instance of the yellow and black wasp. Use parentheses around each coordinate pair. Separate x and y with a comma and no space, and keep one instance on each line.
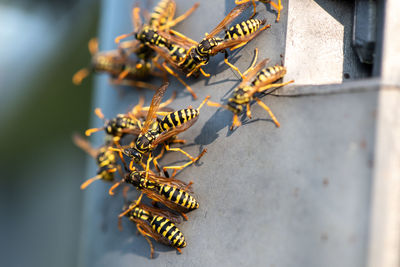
(278,6)
(122,69)
(105,158)
(129,123)
(173,193)
(157,224)
(257,79)
(198,54)
(156,131)
(148,35)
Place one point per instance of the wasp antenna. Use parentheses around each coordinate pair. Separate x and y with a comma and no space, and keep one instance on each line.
(111,190)
(98,113)
(89,132)
(89,181)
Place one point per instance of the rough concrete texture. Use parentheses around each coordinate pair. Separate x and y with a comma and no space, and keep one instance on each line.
(298,195)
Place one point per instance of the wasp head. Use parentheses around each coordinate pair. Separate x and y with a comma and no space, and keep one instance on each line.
(134,154)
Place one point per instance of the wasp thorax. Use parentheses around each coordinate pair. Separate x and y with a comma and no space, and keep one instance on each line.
(133,178)
(134,154)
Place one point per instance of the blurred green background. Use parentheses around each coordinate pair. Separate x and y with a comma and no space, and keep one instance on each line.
(42,44)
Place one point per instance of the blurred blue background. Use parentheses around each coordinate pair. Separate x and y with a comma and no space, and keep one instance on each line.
(42,44)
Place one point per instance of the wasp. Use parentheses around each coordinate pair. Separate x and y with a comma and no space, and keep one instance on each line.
(157,224)
(171,192)
(129,123)
(148,35)
(256,79)
(198,54)
(278,6)
(156,131)
(122,69)
(105,159)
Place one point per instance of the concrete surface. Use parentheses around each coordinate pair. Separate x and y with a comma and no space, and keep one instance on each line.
(298,195)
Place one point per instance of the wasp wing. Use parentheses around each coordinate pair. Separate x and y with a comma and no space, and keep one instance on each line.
(155,102)
(172,132)
(233,42)
(253,73)
(171,182)
(163,213)
(84,145)
(235,12)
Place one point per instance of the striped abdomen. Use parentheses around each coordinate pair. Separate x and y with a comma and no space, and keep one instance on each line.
(107,62)
(243,29)
(179,197)
(177,118)
(161,12)
(269,75)
(149,35)
(117,125)
(167,229)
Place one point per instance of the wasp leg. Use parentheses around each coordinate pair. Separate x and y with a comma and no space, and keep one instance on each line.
(170,71)
(193,160)
(179,250)
(278,8)
(145,235)
(198,67)
(188,185)
(89,181)
(155,160)
(239,2)
(79,76)
(232,66)
(184,216)
(93,46)
(181,17)
(178,141)
(235,122)
(248,111)
(269,111)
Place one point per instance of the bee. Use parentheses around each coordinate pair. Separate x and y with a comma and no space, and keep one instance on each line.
(156,131)
(257,79)
(122,69)
(129,123)
(106,161)
(157,224)
(171,192)
(198,54)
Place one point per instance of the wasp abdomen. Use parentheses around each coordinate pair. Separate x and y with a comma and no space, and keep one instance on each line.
(269,75)
(167,229)
(158,16)
(243,29)
(179,197)
(177,118)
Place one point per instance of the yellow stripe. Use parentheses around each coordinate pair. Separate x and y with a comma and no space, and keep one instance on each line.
(161,224)
(179,196)
(172,234)
(167,229)
(177,118)
(184,200)
(171,193)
